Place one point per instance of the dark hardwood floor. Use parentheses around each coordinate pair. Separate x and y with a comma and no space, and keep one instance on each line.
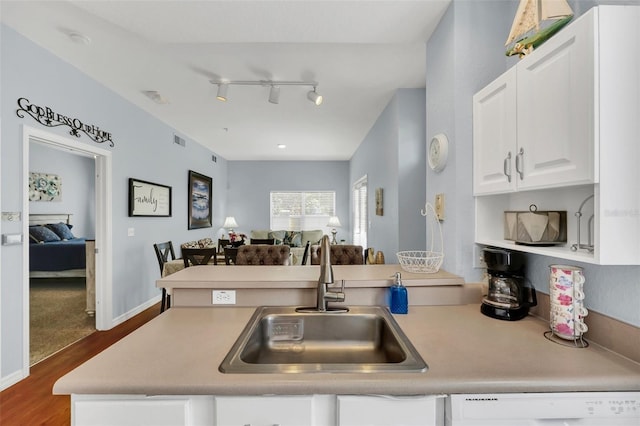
(30,402)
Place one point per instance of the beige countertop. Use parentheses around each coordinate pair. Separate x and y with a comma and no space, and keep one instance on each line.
(178,353)
(245,276)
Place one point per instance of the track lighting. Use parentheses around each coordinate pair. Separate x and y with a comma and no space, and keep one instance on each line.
(274,88)
(314,96)
(274,94)
(222,92)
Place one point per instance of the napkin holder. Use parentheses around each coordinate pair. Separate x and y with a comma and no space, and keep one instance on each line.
(535,227)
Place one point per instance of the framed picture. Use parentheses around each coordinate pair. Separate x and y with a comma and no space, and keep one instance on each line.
(379,202)
(200,199)
(149,199)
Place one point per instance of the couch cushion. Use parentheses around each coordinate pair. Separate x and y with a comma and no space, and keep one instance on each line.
(313,236)
(260,234)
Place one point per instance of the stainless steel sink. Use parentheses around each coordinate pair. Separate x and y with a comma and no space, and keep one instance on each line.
(281,340)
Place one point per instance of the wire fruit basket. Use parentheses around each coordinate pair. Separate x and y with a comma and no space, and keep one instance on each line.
(425,261)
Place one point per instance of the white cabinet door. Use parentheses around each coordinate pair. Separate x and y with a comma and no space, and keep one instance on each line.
(264,410)
(555,103)
(136,410)
(422,410)
(494,136)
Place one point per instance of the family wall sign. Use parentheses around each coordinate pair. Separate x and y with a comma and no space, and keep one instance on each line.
(48,117)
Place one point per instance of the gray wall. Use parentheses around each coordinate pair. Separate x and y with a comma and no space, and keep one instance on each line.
(250,183)
(77,174)
(464,54)
(143,149)
(392,155)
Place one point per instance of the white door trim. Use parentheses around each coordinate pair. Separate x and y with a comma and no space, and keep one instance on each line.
(103,237)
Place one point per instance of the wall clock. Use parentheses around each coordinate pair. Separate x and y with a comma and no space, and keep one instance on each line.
(437,152)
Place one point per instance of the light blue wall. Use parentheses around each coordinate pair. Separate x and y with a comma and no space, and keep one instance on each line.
(250,183)
(77,174)
(144,149)
(464,54)
(392,155)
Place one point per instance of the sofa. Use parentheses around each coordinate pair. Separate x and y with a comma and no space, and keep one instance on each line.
(289,238)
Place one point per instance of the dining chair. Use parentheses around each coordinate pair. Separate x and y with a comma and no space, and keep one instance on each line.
(263,254)
(341,254)
(164,252)
(305,256)
(199,256)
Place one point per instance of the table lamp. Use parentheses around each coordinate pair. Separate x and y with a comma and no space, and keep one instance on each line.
(230,223)
(334,223)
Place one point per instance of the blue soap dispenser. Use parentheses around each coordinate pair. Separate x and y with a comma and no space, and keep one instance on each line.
(399,298)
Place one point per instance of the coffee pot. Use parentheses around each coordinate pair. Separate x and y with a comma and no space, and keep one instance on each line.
(510,294)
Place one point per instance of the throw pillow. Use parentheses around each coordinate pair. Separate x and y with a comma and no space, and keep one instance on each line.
(279,236)
(206,243)
(62,230)
(293,239)
(42,234)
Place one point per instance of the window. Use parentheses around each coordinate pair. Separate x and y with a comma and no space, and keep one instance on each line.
(295,210)
(360,218)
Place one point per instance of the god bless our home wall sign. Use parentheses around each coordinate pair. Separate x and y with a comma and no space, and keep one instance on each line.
(149,199)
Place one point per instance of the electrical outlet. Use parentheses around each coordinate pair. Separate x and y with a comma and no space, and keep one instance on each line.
(224,297)
(478,258)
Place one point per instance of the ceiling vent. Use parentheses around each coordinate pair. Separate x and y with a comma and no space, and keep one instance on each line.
(179,141)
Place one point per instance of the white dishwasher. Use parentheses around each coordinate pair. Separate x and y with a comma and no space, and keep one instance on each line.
(545,409)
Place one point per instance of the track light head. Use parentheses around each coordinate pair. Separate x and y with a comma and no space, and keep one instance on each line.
(274,94)
(222,92)
(314,97)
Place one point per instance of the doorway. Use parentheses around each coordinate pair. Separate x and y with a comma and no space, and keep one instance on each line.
(103,219)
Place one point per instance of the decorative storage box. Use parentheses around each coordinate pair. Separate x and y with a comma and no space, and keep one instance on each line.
(536,227)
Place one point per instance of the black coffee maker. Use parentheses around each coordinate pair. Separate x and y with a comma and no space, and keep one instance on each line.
(510,295)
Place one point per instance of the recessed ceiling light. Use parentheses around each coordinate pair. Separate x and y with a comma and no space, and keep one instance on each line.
(155,96)
(79,38)
(281,146)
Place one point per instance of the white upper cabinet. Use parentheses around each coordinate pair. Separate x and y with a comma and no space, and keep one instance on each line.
(555,104)
(494,136)
(560,126)
(533,126)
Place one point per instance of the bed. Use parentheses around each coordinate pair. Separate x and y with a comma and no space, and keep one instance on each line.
(53,256)
(63,258)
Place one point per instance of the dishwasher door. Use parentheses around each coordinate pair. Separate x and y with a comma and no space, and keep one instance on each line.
(544,409)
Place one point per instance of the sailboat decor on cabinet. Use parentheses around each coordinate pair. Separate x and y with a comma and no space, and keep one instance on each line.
(535,22)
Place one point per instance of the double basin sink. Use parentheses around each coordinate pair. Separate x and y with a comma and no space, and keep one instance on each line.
(365,339)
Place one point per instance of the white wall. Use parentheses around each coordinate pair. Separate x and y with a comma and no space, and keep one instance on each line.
(392,155)
(144,149)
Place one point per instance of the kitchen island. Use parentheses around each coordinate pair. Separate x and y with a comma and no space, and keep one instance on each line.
(168,370)
(178,353)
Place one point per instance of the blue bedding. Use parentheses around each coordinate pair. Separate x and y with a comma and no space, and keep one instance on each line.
(57,255)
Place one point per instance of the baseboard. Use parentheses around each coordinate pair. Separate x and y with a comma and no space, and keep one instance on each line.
(135,311)
(12,379)
(611,333)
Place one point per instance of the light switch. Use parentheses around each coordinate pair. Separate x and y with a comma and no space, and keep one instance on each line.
(131,232)
(439,207)
(11,239)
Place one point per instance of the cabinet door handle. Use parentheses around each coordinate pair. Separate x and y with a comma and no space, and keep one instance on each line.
(519,163)
(506,167)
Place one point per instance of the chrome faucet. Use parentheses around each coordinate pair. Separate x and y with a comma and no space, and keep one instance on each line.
(326,277)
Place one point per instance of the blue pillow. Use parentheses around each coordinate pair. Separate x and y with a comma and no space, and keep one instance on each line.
(41,234)
(62,230)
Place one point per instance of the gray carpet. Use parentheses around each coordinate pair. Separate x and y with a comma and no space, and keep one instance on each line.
(57,315)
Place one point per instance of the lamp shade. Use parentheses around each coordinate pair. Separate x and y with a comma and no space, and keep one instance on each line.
(230,222)
(334,222)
